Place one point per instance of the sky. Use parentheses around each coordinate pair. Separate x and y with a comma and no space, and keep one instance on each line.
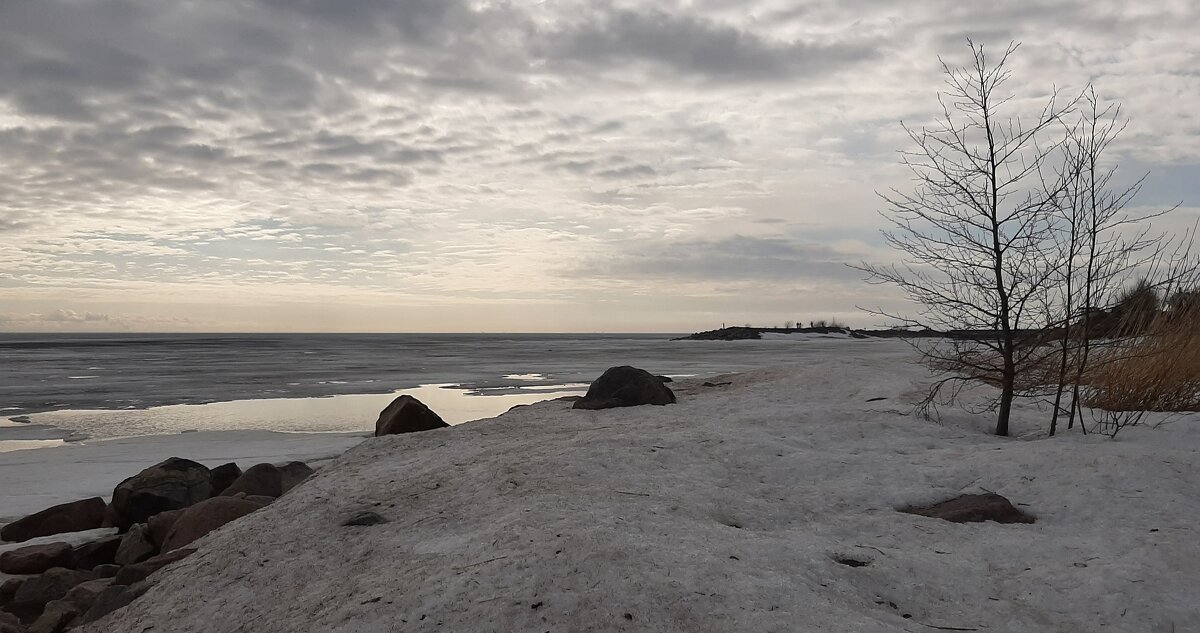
(488,166)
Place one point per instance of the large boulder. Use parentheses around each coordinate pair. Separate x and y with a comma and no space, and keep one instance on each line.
(8,589)
(61,614)
(35,559)
(159,526)
(293,473)
(112,598)
(75,516)
(95,553)
(133,574)
(56,617)
(169,485)
(224,475)
(406,414)
(10,623)
(206,516)
(973,509)
(136,546)
(625,386)
(259,479)
(35,592)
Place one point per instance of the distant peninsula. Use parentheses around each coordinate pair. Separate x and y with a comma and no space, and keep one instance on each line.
(743,333)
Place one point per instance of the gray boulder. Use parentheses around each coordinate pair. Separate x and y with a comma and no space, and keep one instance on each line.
(75,516)
(132,574)
(625,386)
(259,479)
(35,592)
(136,546)
(293,473)
(406,414)
(35,559)
(159,526)
(224,475)
(206,516)
(172,484)
(96,553)
(113,597)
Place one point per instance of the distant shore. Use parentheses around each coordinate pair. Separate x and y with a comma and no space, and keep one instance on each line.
(744,333)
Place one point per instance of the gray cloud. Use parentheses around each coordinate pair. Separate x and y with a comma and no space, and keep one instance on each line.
(736,258)
(698,47)
(436,150)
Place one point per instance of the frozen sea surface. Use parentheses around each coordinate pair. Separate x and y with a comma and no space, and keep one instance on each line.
(72,386)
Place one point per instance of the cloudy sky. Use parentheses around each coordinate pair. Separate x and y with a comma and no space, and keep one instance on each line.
(476,165)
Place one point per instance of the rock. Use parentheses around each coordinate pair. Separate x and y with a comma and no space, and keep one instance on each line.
(61,614)
(261,500)
(8,589)
(35,559)
(206,516)
(56,617)
(35,592)
(973,509)
(364,518)
(259,479)
(76,516)
(112,598)
(665,378)
(95,553)
(169,485)
(131,574)
(135,547)
(224,475)
(106,571)
(84,594)
(159,526)
(625,386)
(10,623)
(294,473)
(406,414)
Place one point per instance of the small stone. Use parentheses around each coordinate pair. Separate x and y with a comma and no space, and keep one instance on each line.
(131,574)
(106,571)
(973,509)
(364,518)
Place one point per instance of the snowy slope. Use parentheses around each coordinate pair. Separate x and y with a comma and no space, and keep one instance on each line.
(723,512)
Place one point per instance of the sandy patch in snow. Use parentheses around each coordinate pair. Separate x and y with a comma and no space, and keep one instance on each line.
(727,511)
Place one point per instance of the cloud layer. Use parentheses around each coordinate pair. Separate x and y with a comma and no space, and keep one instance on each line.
(411,164)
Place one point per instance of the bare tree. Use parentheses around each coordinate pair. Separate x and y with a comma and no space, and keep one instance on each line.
(975,232)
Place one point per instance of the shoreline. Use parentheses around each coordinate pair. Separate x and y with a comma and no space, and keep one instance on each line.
(324,414)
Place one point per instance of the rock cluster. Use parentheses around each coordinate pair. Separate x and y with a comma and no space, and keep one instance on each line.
(158,512)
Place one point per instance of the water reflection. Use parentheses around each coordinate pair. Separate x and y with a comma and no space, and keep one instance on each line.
(355,412)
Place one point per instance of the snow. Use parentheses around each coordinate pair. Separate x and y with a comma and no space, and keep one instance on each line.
(727,511)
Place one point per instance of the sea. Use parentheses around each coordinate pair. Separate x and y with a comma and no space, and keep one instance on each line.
(65,387)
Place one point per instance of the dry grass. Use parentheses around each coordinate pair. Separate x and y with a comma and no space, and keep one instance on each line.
(1156,371)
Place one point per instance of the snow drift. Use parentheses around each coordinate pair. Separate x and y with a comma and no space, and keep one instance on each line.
(765,504)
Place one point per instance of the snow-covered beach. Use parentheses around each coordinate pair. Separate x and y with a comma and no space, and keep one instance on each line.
(765,501)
